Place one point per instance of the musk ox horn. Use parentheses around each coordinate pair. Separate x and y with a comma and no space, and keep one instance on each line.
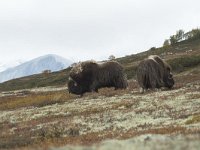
(154,72)
(95,75)
(77,68)
(71,80)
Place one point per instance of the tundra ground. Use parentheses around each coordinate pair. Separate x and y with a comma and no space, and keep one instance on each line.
(50,118)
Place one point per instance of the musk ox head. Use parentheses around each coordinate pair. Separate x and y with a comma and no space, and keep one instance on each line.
(154,72)
(89,76)
(168,78)
(75,88)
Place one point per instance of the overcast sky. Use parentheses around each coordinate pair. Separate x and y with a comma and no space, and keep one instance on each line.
(90,29)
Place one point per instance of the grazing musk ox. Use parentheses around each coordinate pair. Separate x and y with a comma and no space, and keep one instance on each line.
(153,73)
(89,76)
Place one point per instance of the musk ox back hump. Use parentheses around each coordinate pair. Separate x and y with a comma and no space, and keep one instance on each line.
(161,62)
(112,74)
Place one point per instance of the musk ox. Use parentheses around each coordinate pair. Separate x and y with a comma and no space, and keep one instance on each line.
(89,76)
(154,72)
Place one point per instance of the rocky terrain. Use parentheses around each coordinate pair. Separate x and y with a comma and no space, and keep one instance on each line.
(160,119)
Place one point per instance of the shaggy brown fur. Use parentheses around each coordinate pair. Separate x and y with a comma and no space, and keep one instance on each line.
(153,72)
(89,76)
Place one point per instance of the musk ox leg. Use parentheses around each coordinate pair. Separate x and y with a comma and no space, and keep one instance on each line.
(158,89)
(95,90)
(116,88)
(121,88)
(142,90)
(93,87)
(121,83)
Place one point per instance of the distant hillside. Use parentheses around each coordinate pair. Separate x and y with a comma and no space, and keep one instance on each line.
(181,56)
(38,65)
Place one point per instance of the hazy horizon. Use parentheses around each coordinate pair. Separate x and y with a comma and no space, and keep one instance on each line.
(90,29)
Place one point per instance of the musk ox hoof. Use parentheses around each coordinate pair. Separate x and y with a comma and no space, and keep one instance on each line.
(142,90)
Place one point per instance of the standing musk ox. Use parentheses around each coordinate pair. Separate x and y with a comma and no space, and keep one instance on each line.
(89,76)
(153,73)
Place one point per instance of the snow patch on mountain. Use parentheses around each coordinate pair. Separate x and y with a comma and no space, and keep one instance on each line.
(38,65)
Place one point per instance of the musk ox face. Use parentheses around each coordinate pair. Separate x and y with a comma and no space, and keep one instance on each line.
(76,88)
(168,78)
(90,76)
(73,87)
(153,72)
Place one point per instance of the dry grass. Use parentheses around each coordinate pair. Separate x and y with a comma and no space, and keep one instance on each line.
(34,100)
(193,120)
(31,99)
(109,92)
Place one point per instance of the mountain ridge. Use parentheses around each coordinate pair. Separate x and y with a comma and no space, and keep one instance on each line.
(37,65)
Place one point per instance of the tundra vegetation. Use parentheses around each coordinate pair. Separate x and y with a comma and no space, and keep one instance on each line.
(45,116)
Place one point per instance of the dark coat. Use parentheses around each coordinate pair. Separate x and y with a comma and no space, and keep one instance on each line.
(154,72)
(89,76)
